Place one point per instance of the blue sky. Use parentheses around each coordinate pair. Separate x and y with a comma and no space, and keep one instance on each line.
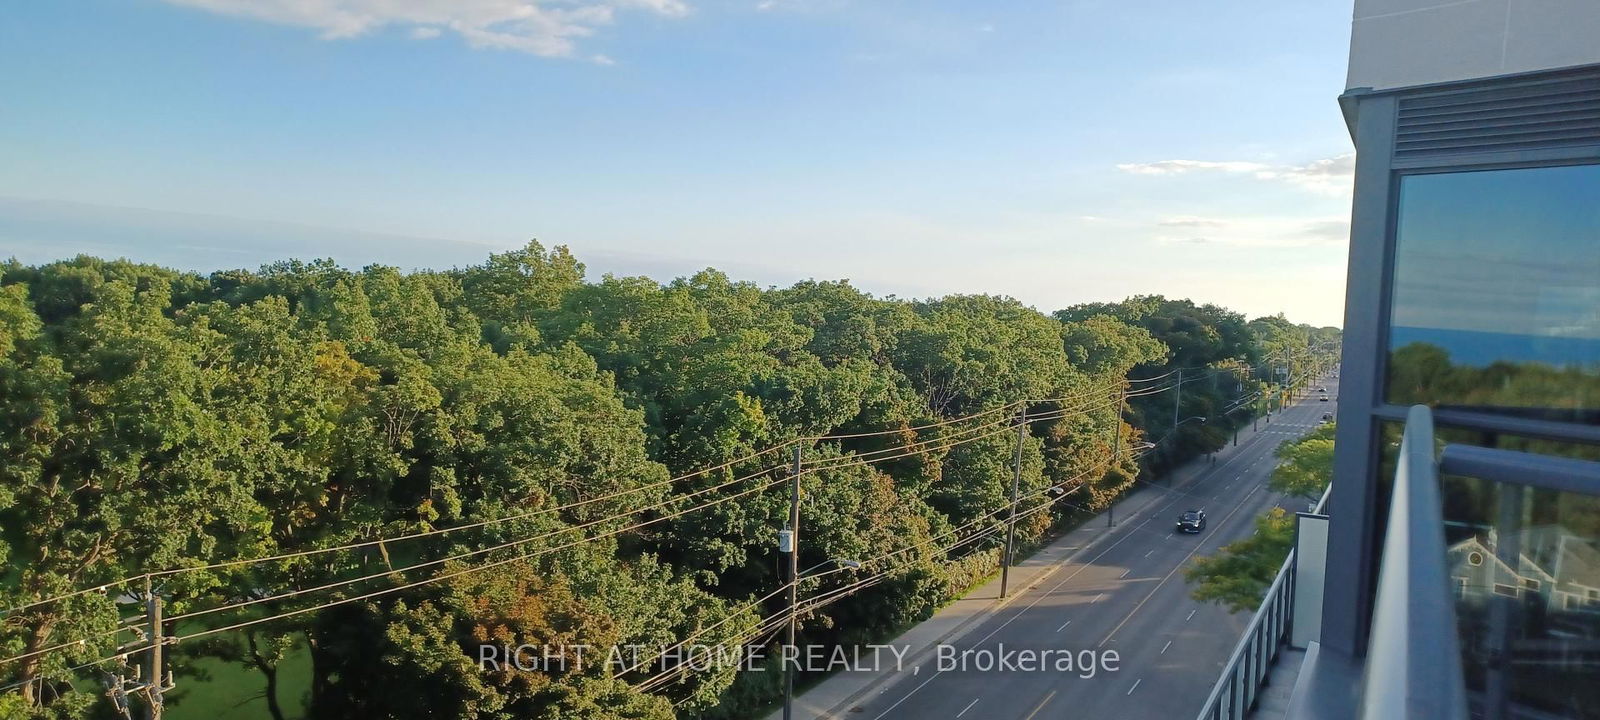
(1057,152)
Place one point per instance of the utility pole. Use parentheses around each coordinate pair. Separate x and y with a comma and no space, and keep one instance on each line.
(1116,425)
(1011,519)
(1116,451)
(1177,396)
(148,680)
(1177,400)
(794,587)
(153,686)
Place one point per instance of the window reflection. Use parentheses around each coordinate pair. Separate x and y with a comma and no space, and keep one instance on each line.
(1525,570)
(1524,566)
(1497,292)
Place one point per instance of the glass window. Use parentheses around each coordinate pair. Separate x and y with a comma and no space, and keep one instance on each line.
(1497,293)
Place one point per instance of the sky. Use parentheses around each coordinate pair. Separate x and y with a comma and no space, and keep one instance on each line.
(1057,152)
(1501,251)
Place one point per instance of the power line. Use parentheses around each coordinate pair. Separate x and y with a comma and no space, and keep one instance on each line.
(474,553)
(964,541)
(925,447)
(495,521)
(402,538)
(123,626)
(775,621)
(469,571)
(523,541)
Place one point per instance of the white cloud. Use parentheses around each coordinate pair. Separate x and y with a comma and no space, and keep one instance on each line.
(548,28)
(1253,231)
(1329,176)
(1191,221)
(1179,167)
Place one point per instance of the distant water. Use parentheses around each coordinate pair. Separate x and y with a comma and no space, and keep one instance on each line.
(1479,349)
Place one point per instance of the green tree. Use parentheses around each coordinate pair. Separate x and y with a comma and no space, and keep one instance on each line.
(1239,574)
(1305,464)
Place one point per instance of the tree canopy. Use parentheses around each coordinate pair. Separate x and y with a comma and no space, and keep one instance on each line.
(545,458)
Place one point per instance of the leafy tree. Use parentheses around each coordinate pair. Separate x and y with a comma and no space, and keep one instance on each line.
(158,420)
(1305,464)
(1239,574)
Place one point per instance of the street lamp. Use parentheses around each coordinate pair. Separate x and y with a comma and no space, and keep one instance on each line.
(841,562)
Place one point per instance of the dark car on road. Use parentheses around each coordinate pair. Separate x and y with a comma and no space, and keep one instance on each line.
(1192,521)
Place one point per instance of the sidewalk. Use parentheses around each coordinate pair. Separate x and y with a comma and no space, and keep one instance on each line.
(833,698)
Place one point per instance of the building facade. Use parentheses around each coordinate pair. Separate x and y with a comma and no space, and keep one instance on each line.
(1474,289)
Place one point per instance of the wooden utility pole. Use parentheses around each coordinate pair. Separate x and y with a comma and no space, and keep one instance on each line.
(1011,519)
(794,588)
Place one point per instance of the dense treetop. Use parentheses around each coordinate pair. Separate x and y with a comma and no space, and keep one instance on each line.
(156,420)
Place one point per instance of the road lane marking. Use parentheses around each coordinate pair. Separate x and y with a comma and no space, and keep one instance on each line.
(1130,690)
(1063,626)
(1097,598)
(1103,551)
(1125,573)
(968,707)
(1041,705)
(1148,554)
(1164,647)
(1175,569)
(1191,616)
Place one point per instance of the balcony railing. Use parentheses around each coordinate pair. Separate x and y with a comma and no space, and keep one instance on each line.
(1236,691)
(1413,668)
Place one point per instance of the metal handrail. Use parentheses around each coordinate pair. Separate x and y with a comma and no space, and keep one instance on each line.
(1252,658)
(1413,668)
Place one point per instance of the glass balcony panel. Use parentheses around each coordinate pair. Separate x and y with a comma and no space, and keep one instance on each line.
(1525,574)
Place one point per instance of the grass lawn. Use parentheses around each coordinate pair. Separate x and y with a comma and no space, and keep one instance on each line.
(231,691)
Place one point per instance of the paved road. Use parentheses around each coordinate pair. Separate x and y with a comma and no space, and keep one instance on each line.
(1129,596)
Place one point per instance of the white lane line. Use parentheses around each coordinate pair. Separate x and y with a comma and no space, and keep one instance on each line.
(1135,686)
(1125,573)
(1164,647)
(968,707)
(1191,616)
(1148,554)
(1097,598)
(1042,596)
(1063,626)
(1175,570)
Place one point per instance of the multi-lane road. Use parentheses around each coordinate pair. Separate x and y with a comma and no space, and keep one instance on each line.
(1125,594)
